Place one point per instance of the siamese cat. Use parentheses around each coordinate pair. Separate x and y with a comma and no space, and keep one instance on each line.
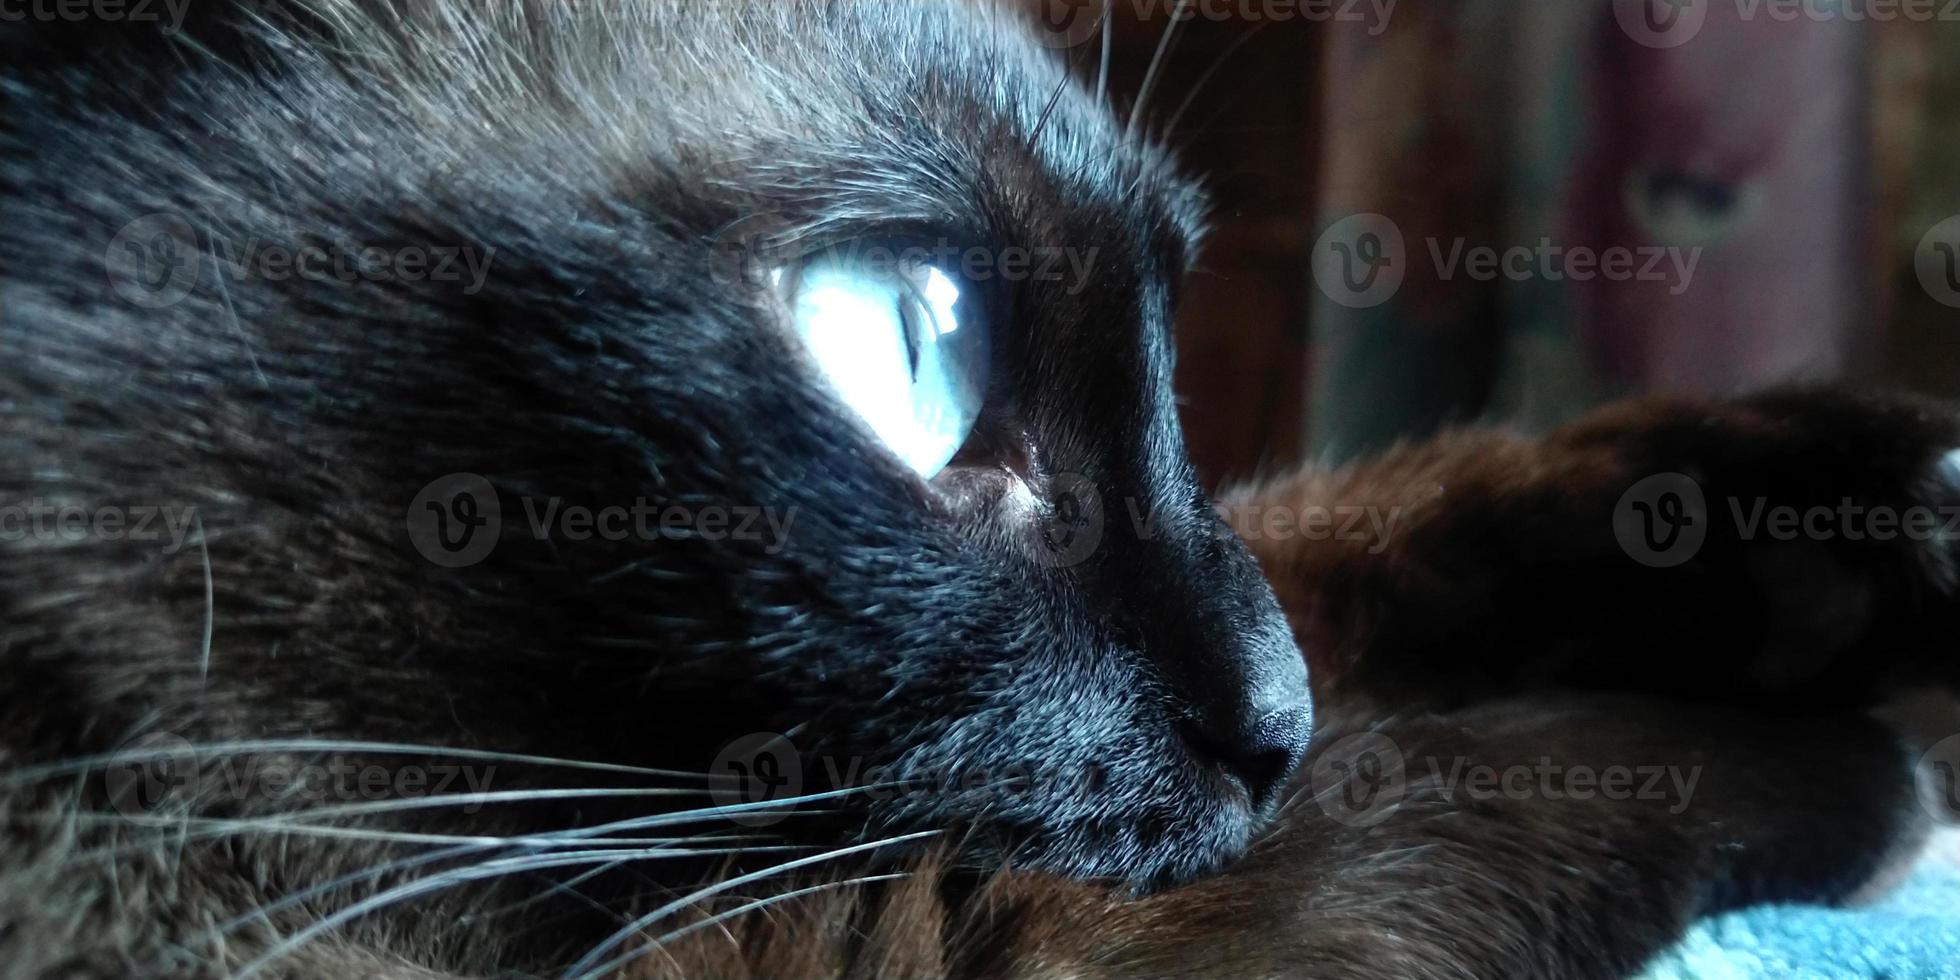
(642,488)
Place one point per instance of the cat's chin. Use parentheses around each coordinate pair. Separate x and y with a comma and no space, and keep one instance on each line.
(1142,855)
(1143,844)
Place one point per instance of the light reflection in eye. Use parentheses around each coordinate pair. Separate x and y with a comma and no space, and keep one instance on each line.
(941,297)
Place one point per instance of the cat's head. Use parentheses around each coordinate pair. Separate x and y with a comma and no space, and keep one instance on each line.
(828,344)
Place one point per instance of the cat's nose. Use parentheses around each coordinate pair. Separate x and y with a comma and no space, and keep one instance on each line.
(1260,743)
(1228,655)
(1198,607)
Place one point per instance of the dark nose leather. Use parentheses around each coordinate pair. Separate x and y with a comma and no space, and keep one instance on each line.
(1189,597)
(1259,741)
(1204,613)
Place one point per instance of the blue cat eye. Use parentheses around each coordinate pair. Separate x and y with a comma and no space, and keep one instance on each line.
(902,340)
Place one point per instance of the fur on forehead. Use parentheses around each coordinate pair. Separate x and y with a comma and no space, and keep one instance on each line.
(741,98)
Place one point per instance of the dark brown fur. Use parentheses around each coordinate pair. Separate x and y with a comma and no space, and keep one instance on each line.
(619,159)
(1802,796)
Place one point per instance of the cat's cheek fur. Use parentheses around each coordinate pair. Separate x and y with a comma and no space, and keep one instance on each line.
(604,159)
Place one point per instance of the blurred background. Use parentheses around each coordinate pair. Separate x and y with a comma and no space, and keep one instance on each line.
(1440,211)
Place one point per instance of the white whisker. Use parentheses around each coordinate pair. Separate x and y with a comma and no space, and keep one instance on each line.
(1108,35)
(589,966)
(1170,126)
(460,876)
(208,827)
(298,820)
(567,887)
(210,594)
(1156,66)
(580,835)
(28,775)
(747,907)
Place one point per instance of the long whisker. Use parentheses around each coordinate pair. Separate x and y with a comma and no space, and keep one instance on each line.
(210,590)
(1108,38)
(590,966)
(566,887)
(746,908)
(1156,66)
(580,834)
(1170,126)
(480,799)
(453,878)
(1054,98)
(215,827)
(32,774)
(297,820)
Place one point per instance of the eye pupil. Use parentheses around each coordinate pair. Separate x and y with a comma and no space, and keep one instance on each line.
(908,312)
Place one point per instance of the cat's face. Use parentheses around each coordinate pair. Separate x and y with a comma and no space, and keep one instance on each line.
(1051,641)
